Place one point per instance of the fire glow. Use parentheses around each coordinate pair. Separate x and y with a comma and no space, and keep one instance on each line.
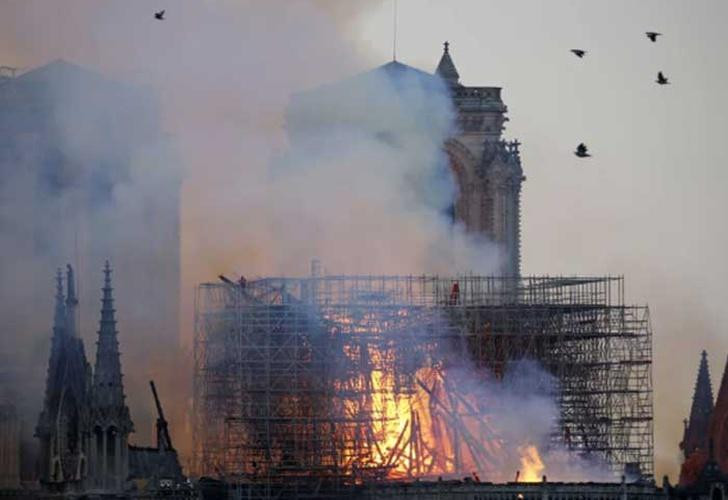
(435,430)
(531,463)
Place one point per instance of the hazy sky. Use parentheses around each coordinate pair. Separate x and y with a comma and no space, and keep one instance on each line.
(649,205)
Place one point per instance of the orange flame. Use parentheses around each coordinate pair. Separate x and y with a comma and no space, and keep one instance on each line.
(429,429)
(532,466)
(424,424)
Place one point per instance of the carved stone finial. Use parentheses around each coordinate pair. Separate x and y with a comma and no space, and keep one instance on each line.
(107,275)
(446,68)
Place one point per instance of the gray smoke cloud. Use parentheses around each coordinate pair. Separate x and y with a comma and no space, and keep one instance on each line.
(364,185)
(354,174)
(527,412)
(522,416)
(368,199)
(85,176)
(216,78)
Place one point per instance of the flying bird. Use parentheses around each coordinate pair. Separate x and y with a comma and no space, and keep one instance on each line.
(159,15)
(581,151)
(578,52)
(652,35)
(661,79)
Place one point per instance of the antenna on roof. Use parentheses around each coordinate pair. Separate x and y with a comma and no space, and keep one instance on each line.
(394,30)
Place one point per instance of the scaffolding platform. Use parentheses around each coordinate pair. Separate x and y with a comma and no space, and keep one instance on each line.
(315,382)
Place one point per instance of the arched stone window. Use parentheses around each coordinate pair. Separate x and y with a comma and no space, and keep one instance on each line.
(98,437)
(111,445)
(56,475)
(462,166)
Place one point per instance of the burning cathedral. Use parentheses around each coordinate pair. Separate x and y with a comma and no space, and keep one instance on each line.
(374,386)
(425,385)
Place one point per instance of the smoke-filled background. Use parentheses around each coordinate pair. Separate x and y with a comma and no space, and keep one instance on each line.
(525,413)
(646,205)
(363,184)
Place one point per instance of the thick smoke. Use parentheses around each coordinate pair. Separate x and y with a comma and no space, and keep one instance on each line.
(523,409)
(86,176)
(221,75)
(521,413)
(362,184)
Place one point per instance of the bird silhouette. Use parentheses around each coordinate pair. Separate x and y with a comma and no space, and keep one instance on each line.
(661,79)
(652,35)
(581,151)
(578,52)
(159,15)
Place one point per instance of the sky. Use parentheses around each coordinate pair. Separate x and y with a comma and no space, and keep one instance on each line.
(648,205)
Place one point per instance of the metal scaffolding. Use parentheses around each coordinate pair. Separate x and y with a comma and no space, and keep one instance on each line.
(296,380)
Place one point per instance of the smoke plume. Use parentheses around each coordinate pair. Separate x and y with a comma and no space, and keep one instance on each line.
(272,174)
(218,79)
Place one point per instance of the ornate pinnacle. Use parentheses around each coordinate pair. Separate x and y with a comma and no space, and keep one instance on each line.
(107,326)
(108,386)
(446,68)
(71,303)
(71,287)
(107,275)
(59,284)
(60,311)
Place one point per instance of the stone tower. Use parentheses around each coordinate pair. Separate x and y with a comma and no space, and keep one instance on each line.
(486,167)
(111,421)
(64,421)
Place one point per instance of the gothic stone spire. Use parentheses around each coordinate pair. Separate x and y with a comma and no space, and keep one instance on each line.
(111,419)
(446,68)
(696,431)
(62,425)
(59,325)
(108,387)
